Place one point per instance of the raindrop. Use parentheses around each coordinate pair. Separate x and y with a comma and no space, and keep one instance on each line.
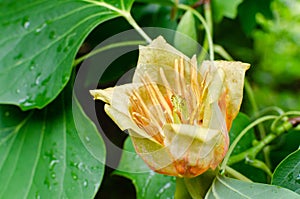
(19,56)
(66,49)
(18,91)
(37,195)
(32,66)
(52,35)
(163,189)
(85,183)
(59,48)
(87,138)
(40,28)
(298,179)
(47,183)
(53,163)
(6,114)
(53,176)
(26,22)
(74,176)
(38,79)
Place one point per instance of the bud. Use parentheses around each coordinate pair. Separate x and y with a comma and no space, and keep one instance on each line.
(178,116)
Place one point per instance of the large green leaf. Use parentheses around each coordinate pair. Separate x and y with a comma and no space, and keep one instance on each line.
(224,187)
(287,173)
(148,184)
(55,152)
(39,41)
(226,8)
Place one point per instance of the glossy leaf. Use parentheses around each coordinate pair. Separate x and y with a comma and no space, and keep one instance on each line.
(226,8)
(38,43)
(287,173)
(186,30)
(148,184)
(55,152)
(224,188)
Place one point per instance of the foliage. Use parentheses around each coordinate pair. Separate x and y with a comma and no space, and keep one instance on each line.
(57,151)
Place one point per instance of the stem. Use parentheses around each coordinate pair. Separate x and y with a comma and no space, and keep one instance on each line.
(238,138)
(126,14)
(261,128)
(260,165)
(133,23)
(110,46)
(234,173)
(205,25)
(273,126)
(252,152)
(221,51)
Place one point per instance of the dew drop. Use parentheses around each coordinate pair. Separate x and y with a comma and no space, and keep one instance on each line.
(85,183)
(26,22)
(52,35)
(87,138)
(40,28)
(74,176)
(6,114)
(59,48)
(163,189)
(53,163)
(18,91)
(32,66)
(53,176)
(298,179)
(37,195)
(66,49)
(19,56)
(38,79)
(47,183)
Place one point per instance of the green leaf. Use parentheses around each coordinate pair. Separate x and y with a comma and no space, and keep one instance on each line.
(248,10)
(239,123)
(55,152)
(287,173)
(38,43)
(186,43)
(148,184)
(224,187)
(226,8)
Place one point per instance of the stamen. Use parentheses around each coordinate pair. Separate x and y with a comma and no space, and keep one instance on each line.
(145,108)
(159,112)
(160,97)
(165,82)
(177,78)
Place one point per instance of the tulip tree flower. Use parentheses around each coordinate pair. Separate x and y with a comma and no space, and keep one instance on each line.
(177,114)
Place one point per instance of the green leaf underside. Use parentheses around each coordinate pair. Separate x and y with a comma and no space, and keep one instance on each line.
(148,184)
(287,173)
(224,187)
(226,8)
(239,123)
(38,43)
(43,154)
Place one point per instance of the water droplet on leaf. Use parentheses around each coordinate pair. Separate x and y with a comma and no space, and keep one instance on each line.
(74,176)
(85,183)
(26,22)
(40,28)
(52,35)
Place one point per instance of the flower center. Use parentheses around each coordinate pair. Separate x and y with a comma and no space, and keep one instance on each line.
(177,99)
